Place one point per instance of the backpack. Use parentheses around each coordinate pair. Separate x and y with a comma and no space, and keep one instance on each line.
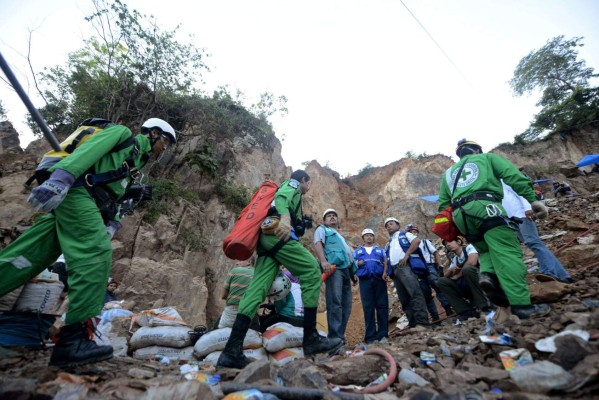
(416,260)
(444,227)
(84,131)
(242,241)
(334,248)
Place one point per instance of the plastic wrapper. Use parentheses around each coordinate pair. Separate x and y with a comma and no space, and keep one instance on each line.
(515,358)
(503,339)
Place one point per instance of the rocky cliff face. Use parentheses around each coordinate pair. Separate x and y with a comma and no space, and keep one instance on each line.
(175,259)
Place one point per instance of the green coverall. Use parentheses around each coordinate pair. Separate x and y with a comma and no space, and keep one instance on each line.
(293,255)
(74,228)
(499,250)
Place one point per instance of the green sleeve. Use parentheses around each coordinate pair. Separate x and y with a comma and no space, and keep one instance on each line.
(444,195)
(90,152)
(507,171)
(287,199)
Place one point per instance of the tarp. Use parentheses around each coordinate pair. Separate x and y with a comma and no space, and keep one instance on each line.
(541,180)
(589,159)
(433,199)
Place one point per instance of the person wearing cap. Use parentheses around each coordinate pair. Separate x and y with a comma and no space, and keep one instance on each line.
(282,247)
(560,189)
(405,281)
(473,188)
(519,208)
(460,282)
(332,249)
(75,226)
(373,275)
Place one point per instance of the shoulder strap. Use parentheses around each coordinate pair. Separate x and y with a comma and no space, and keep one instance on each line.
(457,178)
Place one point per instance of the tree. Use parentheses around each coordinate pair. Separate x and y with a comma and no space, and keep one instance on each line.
(128,71)
(2,112)
(567,101)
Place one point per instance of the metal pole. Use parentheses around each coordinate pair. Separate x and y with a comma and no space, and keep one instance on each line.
(32,110)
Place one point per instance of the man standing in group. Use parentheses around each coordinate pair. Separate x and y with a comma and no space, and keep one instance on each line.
(473,188)
(517,206)
(433,263)
(282,248)
(401,252)
(75,226)
(332,249)
(373,275)
(234,288)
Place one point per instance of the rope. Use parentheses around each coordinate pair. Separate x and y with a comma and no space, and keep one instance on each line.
(592,228)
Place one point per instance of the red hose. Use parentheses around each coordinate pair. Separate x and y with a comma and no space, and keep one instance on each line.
(390,377)
(592,228)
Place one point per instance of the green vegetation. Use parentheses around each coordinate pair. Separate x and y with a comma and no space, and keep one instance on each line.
(233,195)
(195,241)
(203,160)
(365,169)
(2,112)
(411,155)
(568,102)
(164,192)
(130,70)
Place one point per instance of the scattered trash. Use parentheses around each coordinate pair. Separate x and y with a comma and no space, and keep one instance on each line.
(203,377)
(250,394)
(445,349)
(378,380)
(503,339)
(515,358)
(548,344)
(427,358)
(591,303)
(411,378)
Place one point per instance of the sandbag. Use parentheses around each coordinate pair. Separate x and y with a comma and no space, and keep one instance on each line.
(258,354)
(185,353)
(8,301)
(281,336)
(166,316)
(169,336)
(42,297)
(217,340)
(285,356)
(19,329)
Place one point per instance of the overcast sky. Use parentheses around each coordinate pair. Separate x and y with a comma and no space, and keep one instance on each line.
(364,80)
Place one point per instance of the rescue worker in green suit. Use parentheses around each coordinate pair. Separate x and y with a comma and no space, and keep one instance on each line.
(75,226)
(478,213)
(280,246)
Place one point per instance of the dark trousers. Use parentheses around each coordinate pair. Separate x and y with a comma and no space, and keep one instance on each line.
(375,304)
(410,295)
(458,293)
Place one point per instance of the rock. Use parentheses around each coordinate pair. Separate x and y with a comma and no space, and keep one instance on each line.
(255,371)
(190,390)
(541,377)
(17,388)
(487,374)
(301,373)
(140,373)
(570,349)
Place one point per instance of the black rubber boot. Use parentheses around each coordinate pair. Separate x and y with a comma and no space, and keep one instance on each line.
(75,346)
(490,285)
(232,356)
(532,310)
(313,343)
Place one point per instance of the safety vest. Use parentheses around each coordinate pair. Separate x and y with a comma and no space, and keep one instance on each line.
(334,248)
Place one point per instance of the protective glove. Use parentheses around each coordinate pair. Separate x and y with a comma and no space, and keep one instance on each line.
(539,209)
(47,196)
(283,230)
(112,227)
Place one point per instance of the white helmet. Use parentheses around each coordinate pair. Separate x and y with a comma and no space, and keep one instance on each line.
(367,230)
(391,219)
(280,287)
(164,126)
(328,211)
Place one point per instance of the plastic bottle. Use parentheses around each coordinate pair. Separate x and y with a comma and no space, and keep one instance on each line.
(325,275)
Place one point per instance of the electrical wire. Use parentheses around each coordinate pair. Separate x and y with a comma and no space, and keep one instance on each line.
(438,46)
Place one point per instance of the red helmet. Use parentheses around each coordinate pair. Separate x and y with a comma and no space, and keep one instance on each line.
(412,227)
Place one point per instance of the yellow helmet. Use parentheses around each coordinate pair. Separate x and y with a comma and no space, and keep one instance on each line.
(466,144)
